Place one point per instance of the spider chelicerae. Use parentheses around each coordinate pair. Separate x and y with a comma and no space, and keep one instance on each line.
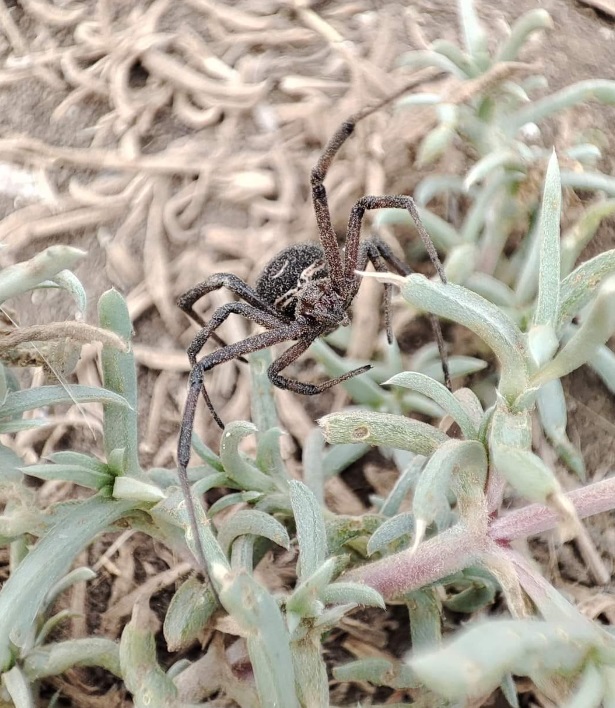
(303,293)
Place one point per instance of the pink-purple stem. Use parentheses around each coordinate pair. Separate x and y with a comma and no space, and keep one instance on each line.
(464,545)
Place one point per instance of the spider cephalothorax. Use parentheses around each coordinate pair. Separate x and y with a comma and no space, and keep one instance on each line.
(304,292)
(296,282)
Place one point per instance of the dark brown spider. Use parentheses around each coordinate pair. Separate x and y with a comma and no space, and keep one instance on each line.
(303,293)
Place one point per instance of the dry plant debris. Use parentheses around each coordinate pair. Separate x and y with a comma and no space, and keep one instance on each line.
(206,118)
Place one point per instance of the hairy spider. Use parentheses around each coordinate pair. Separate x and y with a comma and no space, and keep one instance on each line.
(303,293)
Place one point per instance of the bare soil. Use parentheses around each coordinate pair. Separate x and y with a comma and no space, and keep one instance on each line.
(172,140)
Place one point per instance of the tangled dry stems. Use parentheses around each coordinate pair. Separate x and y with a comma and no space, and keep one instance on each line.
(191,79)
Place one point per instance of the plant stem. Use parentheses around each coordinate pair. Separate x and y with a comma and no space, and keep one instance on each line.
(536,518)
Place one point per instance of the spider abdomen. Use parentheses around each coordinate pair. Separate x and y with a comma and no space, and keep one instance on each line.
(288,272)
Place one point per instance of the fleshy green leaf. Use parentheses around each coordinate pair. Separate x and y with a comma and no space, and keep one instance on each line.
(23,594)
(422,58)
(499,158)
(56,658)
(230,500)
(435,144)
(425,614)
(475,663)
(339,593)
(305,600)
(380,672)
(9,467)
(258,614)
(597,89)
(525,472)
(578,288)
(458,304)
(391,530)
(381,429)
(474,35)
(529,22)
(590,689)
(173,510)
(603,363)
(313,464)
(461,59)
(68,281)
(466,459)
(438,393)
(340,457)
(119,375)
(18,687)
(70,473)
(411,470)
(207,455)
(457,365)
(547,305)
(580,234)
(255,522)
(553,416)
(190,609)
(311,532)
(236,466)
(597,327)
(82,574)
(542,343)
(471,599)
(20,401)
(144,678)
(24,276)
(137,490)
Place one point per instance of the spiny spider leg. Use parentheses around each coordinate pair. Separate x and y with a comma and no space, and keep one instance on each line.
(351,256)
(307,389)
(326,232)
(220,315)
(216,281)
(196,387)
(232,308)
(221,280)
(392,201)
(378,253)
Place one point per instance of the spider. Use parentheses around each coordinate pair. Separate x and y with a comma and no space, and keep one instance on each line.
(303,293)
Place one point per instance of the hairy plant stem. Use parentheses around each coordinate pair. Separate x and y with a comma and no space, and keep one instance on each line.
(462,546)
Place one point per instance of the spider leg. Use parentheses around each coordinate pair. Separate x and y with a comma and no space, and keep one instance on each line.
(255,314)
(326,232)
(196,386)
(216,281)
(392,201)
(256,342)
(352,257)
(232,308)
(307,389)
(378,253)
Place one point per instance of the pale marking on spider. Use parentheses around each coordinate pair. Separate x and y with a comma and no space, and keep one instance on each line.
(282,270)
(313,273)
